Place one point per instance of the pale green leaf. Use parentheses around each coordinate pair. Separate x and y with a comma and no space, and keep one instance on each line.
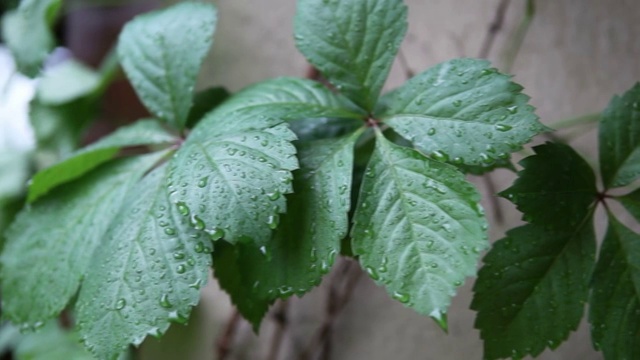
(162,52)
(27,33)
(144,132)
(619,137)
(556,187)
(51,343)
(531,291)
(631,202)
(235,178)
(352,42)
(50,245)
(462,111)
(66,82)
(418,228)
(307,240)
(614,306)
(147,272)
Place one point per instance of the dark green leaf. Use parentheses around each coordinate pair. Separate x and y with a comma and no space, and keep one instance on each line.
(147,272)
(631,202)
(27,33)
(162,52)
(462,111)
(614,307)
(307,240)
(144,132)
(205,101)
(57,236)
(353,43)
(51,343)
(620,139)
(531,291)
(418,228)
(66,82)
(485,168)
(323,128)
(555,189)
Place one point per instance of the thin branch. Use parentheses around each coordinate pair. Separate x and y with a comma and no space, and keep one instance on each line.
(226,340)
(494,29)
(404,64)
(518,37)
(281,320)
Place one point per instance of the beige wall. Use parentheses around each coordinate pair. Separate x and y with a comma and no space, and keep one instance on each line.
(578,53)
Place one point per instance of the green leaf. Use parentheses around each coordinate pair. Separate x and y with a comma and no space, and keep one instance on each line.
(631,202)
(307,240)
(418,228)
(555,189)
(614,306)
(485,168)
(353,43)
(620,139)
(147,272)
(27,33)
(51,343)
(462,111)
(15,172)
(234,179)
(144,132)
(205,101)
(323,128)
(57,236)
(531,291)
(66,82)
(296,99)
(162,52)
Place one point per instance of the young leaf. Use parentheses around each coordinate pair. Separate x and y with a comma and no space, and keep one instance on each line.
(27,33)
(352,42)
(418,228)
(614,307)
(66,82)
(299,98)
(144,132)
(57,236)
(620,139)
(307,240)
(631,202)
(531,291)
(233,178)
(147,272)
(162,52)
(462,111)
(555,188)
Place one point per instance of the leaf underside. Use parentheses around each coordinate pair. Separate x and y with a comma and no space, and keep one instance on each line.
(462,111)
(531,291)
(418,228)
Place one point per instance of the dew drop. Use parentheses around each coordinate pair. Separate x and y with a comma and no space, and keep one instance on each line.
(503,127)
(273,221)
(431,131)
(181,269)
(121,303)
(372,273)
(164,301)
(402,297)
(170,231)
(215,233)
(274,195)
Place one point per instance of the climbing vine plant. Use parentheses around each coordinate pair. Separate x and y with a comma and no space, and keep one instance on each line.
(266,187)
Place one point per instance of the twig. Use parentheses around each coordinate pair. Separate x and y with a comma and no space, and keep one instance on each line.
(408,72)
(281,320)
(226,341)
(517,39)
(494,29)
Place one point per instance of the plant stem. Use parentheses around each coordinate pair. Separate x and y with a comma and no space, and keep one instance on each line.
(226,341)
(280,316)
(494,29)
(576,121)
(517,39)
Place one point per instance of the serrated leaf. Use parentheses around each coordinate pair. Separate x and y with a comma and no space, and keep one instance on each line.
(66,82)
(555,189)
(27,33)
(50,244)
(235,179)
(296,99)
(162,52)
(462,111)
(205,101)
(51,343)
(147,272)
(143,132)
(631,202)
(614,306)
(531,291)
(323,128)
(418,228)
(307,240)
(485,168)
(619,139)
(353,43)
